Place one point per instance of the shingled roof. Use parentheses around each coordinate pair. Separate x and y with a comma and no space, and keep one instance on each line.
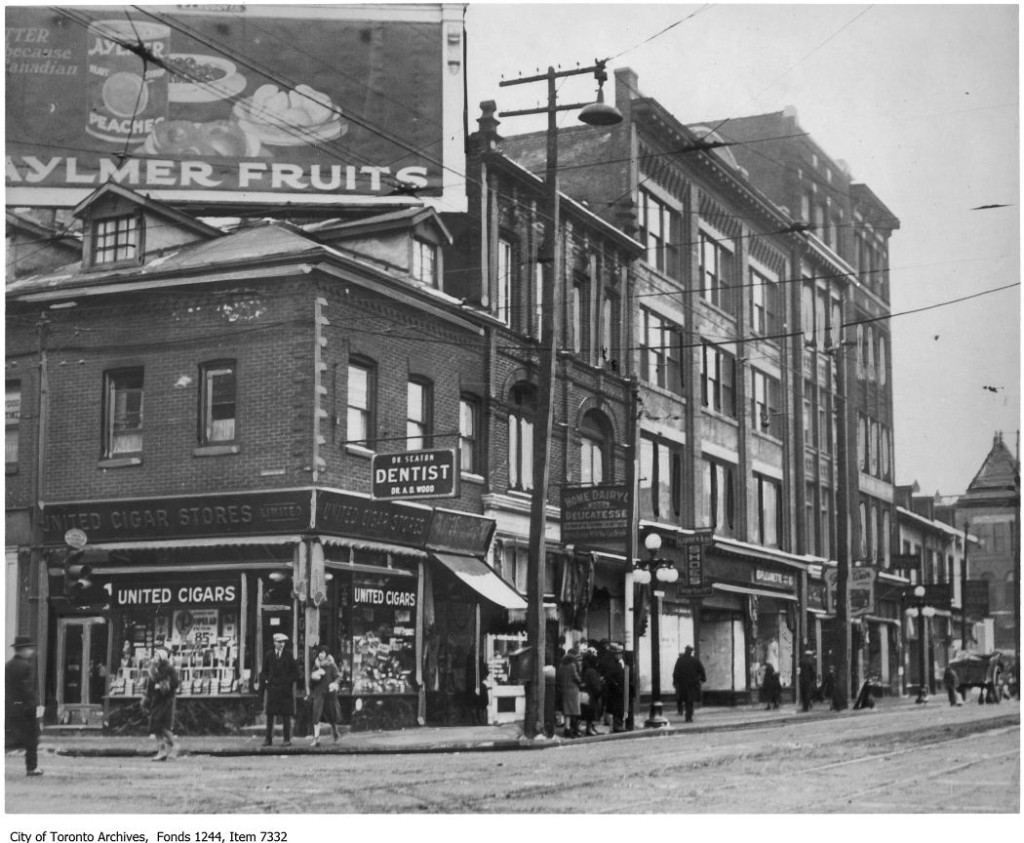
(999,475)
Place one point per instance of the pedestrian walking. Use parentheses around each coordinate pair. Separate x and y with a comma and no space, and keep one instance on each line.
(569,680)
(950,682)
(23,711)
(615,687)
(323,688)
(158,700)
(278,677)
(772,686)
(687,677)
(593,687)
(808,678)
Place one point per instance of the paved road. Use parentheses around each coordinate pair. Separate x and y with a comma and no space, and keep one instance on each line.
(918,761)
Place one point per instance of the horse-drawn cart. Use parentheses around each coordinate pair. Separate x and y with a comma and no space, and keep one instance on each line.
(987,671)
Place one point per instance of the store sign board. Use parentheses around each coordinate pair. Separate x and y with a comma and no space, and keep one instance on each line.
(232,99)
(460,532)
(408,475)
(596,517)
(386,521)
(777,579)
(387,596)
(862,591)
(197,516)
(209,593)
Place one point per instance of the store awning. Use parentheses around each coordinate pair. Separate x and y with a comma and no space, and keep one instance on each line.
(757,592)
(475,573)
(366,544)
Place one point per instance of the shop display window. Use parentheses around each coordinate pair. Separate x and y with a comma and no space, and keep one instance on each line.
(202,640)
(378,637)
(497,650)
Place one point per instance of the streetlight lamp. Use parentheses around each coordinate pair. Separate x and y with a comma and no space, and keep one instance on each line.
(595,114)
(661,571)
(923,611)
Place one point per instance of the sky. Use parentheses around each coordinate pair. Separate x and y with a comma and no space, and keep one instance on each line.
(921,101)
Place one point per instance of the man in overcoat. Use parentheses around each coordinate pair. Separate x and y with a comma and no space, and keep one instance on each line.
(279,675)
(22,700)
(808,679)
(615,687)
(687,677)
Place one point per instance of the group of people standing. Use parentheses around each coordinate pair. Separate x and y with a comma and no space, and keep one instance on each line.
(590,685)
(280,676)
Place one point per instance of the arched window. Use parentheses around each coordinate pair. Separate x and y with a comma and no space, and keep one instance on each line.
(595,435)
(522,401)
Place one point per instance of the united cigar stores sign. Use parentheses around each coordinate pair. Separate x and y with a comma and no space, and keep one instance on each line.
(287,99)
(176,595)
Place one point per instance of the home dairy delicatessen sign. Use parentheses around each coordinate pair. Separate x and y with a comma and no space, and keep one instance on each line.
(331,99)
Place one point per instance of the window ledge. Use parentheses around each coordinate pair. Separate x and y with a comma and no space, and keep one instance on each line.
(768,437)
(715,414)
(661,390)
(360,451)
(215,450)
(714,308)
(119,462)
(473,478)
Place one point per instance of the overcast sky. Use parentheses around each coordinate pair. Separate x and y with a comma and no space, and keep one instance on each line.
(921,101)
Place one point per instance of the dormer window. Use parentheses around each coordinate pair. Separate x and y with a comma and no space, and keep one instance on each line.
(424,262)
(116,240)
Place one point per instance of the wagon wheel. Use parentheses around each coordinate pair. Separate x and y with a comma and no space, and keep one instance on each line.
(997,685)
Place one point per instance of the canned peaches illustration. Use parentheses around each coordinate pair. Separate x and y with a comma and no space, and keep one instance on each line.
(127,95)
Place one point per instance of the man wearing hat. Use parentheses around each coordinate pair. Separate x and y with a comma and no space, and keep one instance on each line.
(687,677)
(808,679)
(279,675)
(615,687)
(23,709)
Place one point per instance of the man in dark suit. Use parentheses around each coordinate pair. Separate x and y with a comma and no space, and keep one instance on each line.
(687,677)
(278,677)
(23,709)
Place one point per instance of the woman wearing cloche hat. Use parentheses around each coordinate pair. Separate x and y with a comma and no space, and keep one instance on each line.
(23,710)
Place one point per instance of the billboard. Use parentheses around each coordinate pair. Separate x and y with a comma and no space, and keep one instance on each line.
(233,102)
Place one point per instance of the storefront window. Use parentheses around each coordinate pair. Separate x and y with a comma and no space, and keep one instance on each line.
(198,622)
(379,653)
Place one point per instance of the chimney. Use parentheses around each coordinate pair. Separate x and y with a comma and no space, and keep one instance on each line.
(627,87)
(487,136)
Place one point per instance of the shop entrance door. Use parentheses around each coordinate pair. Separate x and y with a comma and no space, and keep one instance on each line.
(81,670)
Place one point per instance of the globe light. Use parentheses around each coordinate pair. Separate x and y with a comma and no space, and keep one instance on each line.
(653,543)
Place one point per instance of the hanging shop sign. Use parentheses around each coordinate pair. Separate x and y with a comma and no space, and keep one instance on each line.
(409,475)
(193,516)
(596,517)
(237,100)
(862,591)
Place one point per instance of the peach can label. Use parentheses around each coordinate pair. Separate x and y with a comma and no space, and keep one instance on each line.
(127,95)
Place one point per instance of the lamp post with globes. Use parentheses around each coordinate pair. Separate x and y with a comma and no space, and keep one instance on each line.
(658,572)
(922,611)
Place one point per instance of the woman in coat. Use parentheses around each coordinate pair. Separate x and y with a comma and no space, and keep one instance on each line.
(569,682)
(772,686)
(323,688)
(161,687)
(594,686)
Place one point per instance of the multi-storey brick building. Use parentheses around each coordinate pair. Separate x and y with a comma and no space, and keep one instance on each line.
(760,261)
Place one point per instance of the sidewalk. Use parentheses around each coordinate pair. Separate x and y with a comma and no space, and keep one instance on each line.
(472,738)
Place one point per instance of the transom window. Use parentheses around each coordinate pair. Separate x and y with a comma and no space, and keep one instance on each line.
(116,239)
(218,402)
(123,412)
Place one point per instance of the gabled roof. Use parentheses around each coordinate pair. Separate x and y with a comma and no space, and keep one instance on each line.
(401,219)
(151,206)
(998,476)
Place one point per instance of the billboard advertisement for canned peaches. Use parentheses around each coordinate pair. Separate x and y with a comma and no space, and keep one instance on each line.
(308,100)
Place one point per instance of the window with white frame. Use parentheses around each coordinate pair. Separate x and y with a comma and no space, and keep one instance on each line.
(716,273)
(361,400)
(218,402)
(873,448)
(657,224)
(881,360)
(862,443)
(810,534)
(117,239)
(595,437)
(764,304)
(522,413)
(767,414)
(469,434)
(863,544)
(418,414)
(609,329)
(123,412)
(424,262)
(12,421)
(769,511)
(718,380)
(860,352)
(661,356)
(825,524)
(537,320)
(719,500)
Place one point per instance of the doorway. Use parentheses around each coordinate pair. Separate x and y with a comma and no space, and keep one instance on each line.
(81,670)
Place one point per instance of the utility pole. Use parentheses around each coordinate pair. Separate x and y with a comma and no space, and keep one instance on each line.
(551,320)
(842,529)
(963,591)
